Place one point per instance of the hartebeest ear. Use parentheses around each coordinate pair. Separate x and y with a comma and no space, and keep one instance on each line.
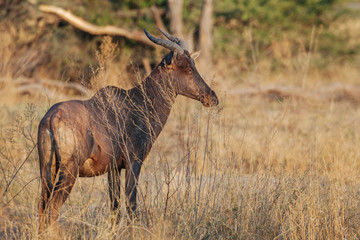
(169,59)
(195,55)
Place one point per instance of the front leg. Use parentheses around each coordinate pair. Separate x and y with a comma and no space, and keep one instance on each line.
(114,188)
(131,180)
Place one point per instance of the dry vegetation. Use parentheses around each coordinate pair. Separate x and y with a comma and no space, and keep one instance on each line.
(269,163)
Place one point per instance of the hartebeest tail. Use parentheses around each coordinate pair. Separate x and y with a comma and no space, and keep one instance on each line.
(49,167)
(113,130)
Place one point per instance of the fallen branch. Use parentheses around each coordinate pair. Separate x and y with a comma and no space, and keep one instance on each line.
(70,85)
(62,90)
(85,26)
(80,89)
(39,89)
(335,92)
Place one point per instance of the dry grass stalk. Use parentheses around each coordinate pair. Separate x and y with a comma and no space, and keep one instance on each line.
(284,169)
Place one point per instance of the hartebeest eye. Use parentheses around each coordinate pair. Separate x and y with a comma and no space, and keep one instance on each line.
(186,68)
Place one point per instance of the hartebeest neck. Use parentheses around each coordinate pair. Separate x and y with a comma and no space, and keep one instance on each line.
(159,96)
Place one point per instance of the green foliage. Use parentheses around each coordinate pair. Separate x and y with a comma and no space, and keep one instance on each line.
(266,22)
(282,13)
(136,4)
(242,29)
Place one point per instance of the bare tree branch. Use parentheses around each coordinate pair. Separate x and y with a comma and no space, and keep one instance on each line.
(93,29)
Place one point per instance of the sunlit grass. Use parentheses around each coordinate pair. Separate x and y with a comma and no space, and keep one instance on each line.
(259,166)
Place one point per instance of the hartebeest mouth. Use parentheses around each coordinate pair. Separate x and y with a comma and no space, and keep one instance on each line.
(209,100)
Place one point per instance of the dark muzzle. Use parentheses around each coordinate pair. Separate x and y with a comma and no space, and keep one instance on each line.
(209,99)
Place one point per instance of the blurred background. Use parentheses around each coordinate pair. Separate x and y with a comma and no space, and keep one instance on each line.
(277,159)
(286,42)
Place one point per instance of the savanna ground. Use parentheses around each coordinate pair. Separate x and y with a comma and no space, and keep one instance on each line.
(278,159)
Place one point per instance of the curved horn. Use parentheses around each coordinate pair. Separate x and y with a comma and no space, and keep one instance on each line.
(174,39)
(165,43)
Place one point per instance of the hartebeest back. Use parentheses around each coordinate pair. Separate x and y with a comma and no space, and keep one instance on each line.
(113,130)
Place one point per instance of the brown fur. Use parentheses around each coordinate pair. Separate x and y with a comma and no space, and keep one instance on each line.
(113,130)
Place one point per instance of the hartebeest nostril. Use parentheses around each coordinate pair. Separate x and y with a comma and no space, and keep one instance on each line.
(214,98)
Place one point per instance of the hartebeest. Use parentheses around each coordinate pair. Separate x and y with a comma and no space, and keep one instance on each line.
(113,130)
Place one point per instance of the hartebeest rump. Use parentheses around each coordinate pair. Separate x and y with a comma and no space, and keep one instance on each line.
(113,130)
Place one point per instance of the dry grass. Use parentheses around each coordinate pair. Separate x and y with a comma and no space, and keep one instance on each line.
(267,165)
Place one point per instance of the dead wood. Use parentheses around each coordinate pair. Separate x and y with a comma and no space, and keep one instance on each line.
(336,92)
(24,85)
(85,26)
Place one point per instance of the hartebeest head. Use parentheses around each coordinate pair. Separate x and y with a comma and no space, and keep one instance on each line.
(180,67)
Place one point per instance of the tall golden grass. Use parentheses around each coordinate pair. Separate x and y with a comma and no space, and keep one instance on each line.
(267,165)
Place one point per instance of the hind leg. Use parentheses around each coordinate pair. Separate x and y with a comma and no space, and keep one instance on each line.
(53,199)
(42,207)
(61,193)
